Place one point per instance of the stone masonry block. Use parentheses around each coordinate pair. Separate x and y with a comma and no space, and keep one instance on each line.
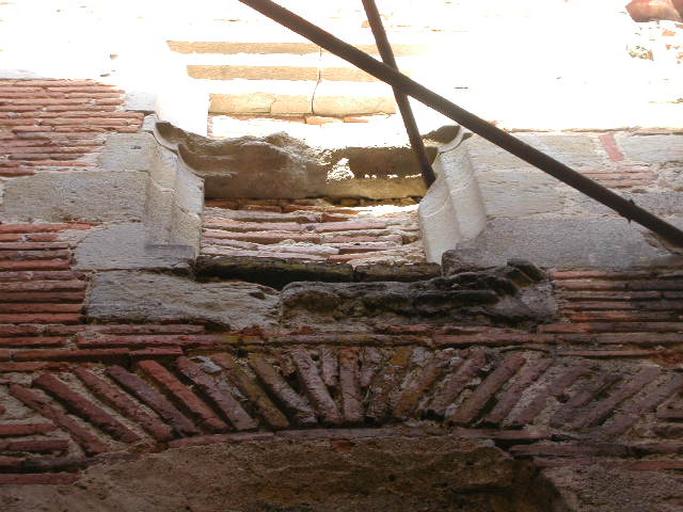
(87,196)
(127,246)
(149,297)
(453,209)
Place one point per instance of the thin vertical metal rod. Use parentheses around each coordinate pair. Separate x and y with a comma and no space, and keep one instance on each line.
(546,163)
(387,54)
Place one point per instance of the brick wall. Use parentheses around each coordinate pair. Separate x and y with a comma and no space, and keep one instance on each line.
(48,125)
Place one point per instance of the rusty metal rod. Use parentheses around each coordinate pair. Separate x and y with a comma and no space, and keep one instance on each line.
(546,163)
(387,54)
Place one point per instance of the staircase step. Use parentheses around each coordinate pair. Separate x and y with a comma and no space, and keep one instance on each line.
(251,47)
(271,97)
(333,98)
(294,47)
(255,67)
(280,67)
(299,97)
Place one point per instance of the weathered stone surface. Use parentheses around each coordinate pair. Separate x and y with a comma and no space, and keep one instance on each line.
(126,246)
(459,297)
(280,166)
(561,243)
(379,272)
(156,297)
(573,150)
(519,193)
(271,271)
(174,196)
(375,473)
(653,148)
(348,98)
(453,209)
(127,152)
(285,98)
(604,486)
(88,196)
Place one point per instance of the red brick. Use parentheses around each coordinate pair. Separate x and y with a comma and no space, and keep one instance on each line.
(39,341)
(611,147)
(35,445)
(231,409)
(125,329)
(554,389)
(41,228)
(349,386)
(25,429)
(602,409)
(28,247)
(38,479)
(470,409)
(629,415)
(35,308)
(250,389)
(585,393)
(598,274)
(385,383)
(245,227)
(62,264)
(638,338)
(42,297)
(95,355)
(10,463)
(46,276)
(343,258)
(371,360)
(259,238)
(616,354)
(490,339)
(152,340)
(153,399)
(527,376)
(569,450)
(625,316)
(32,367)
(43,286)
(186,400)
(293,403)
(29,82)
(156,353)
(80,406)
(114,397)
(239,437)
(455,383)
(40,318)
(655,465)
(612,327)
(414,389)
(90,443)
(329,366)
(315,388)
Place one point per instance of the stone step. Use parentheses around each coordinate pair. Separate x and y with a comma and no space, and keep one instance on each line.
(296,45)
(338,98)
(269,97)
(299,97)
(280,66)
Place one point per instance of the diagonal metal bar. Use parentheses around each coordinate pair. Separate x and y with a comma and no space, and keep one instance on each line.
(387,55)
(520,149)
